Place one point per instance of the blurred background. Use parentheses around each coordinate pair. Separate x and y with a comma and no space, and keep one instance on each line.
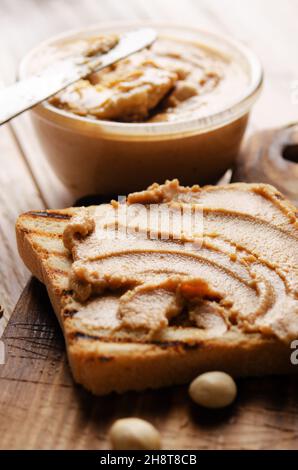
(269,27)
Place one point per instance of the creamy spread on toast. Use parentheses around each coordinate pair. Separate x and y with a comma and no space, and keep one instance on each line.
(234,267)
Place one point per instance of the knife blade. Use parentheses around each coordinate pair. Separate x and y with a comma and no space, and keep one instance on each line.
(27,93)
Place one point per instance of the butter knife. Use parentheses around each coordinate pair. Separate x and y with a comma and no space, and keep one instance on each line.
(27,93)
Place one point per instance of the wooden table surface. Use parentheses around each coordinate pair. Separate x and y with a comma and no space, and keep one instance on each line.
(26,181)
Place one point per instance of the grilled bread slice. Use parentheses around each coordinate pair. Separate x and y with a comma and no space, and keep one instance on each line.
(103,361)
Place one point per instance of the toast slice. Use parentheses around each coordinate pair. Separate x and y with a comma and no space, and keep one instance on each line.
(104,361)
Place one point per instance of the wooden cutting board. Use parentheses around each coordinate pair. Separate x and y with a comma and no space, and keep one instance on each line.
(271,156)
(42,408)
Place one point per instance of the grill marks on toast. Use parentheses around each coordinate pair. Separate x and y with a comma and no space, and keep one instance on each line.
(155,342)
(46,237)
(49,215)
(44,230)
(41,233)
(51,249)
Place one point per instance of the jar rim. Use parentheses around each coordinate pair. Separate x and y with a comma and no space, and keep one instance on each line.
(235,110)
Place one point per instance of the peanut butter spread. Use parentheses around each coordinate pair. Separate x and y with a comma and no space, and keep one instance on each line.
(231,265)
(172,80)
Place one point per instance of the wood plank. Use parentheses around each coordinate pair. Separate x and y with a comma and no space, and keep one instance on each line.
(18,194)
(42,408)
(262,160)
(53,191)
